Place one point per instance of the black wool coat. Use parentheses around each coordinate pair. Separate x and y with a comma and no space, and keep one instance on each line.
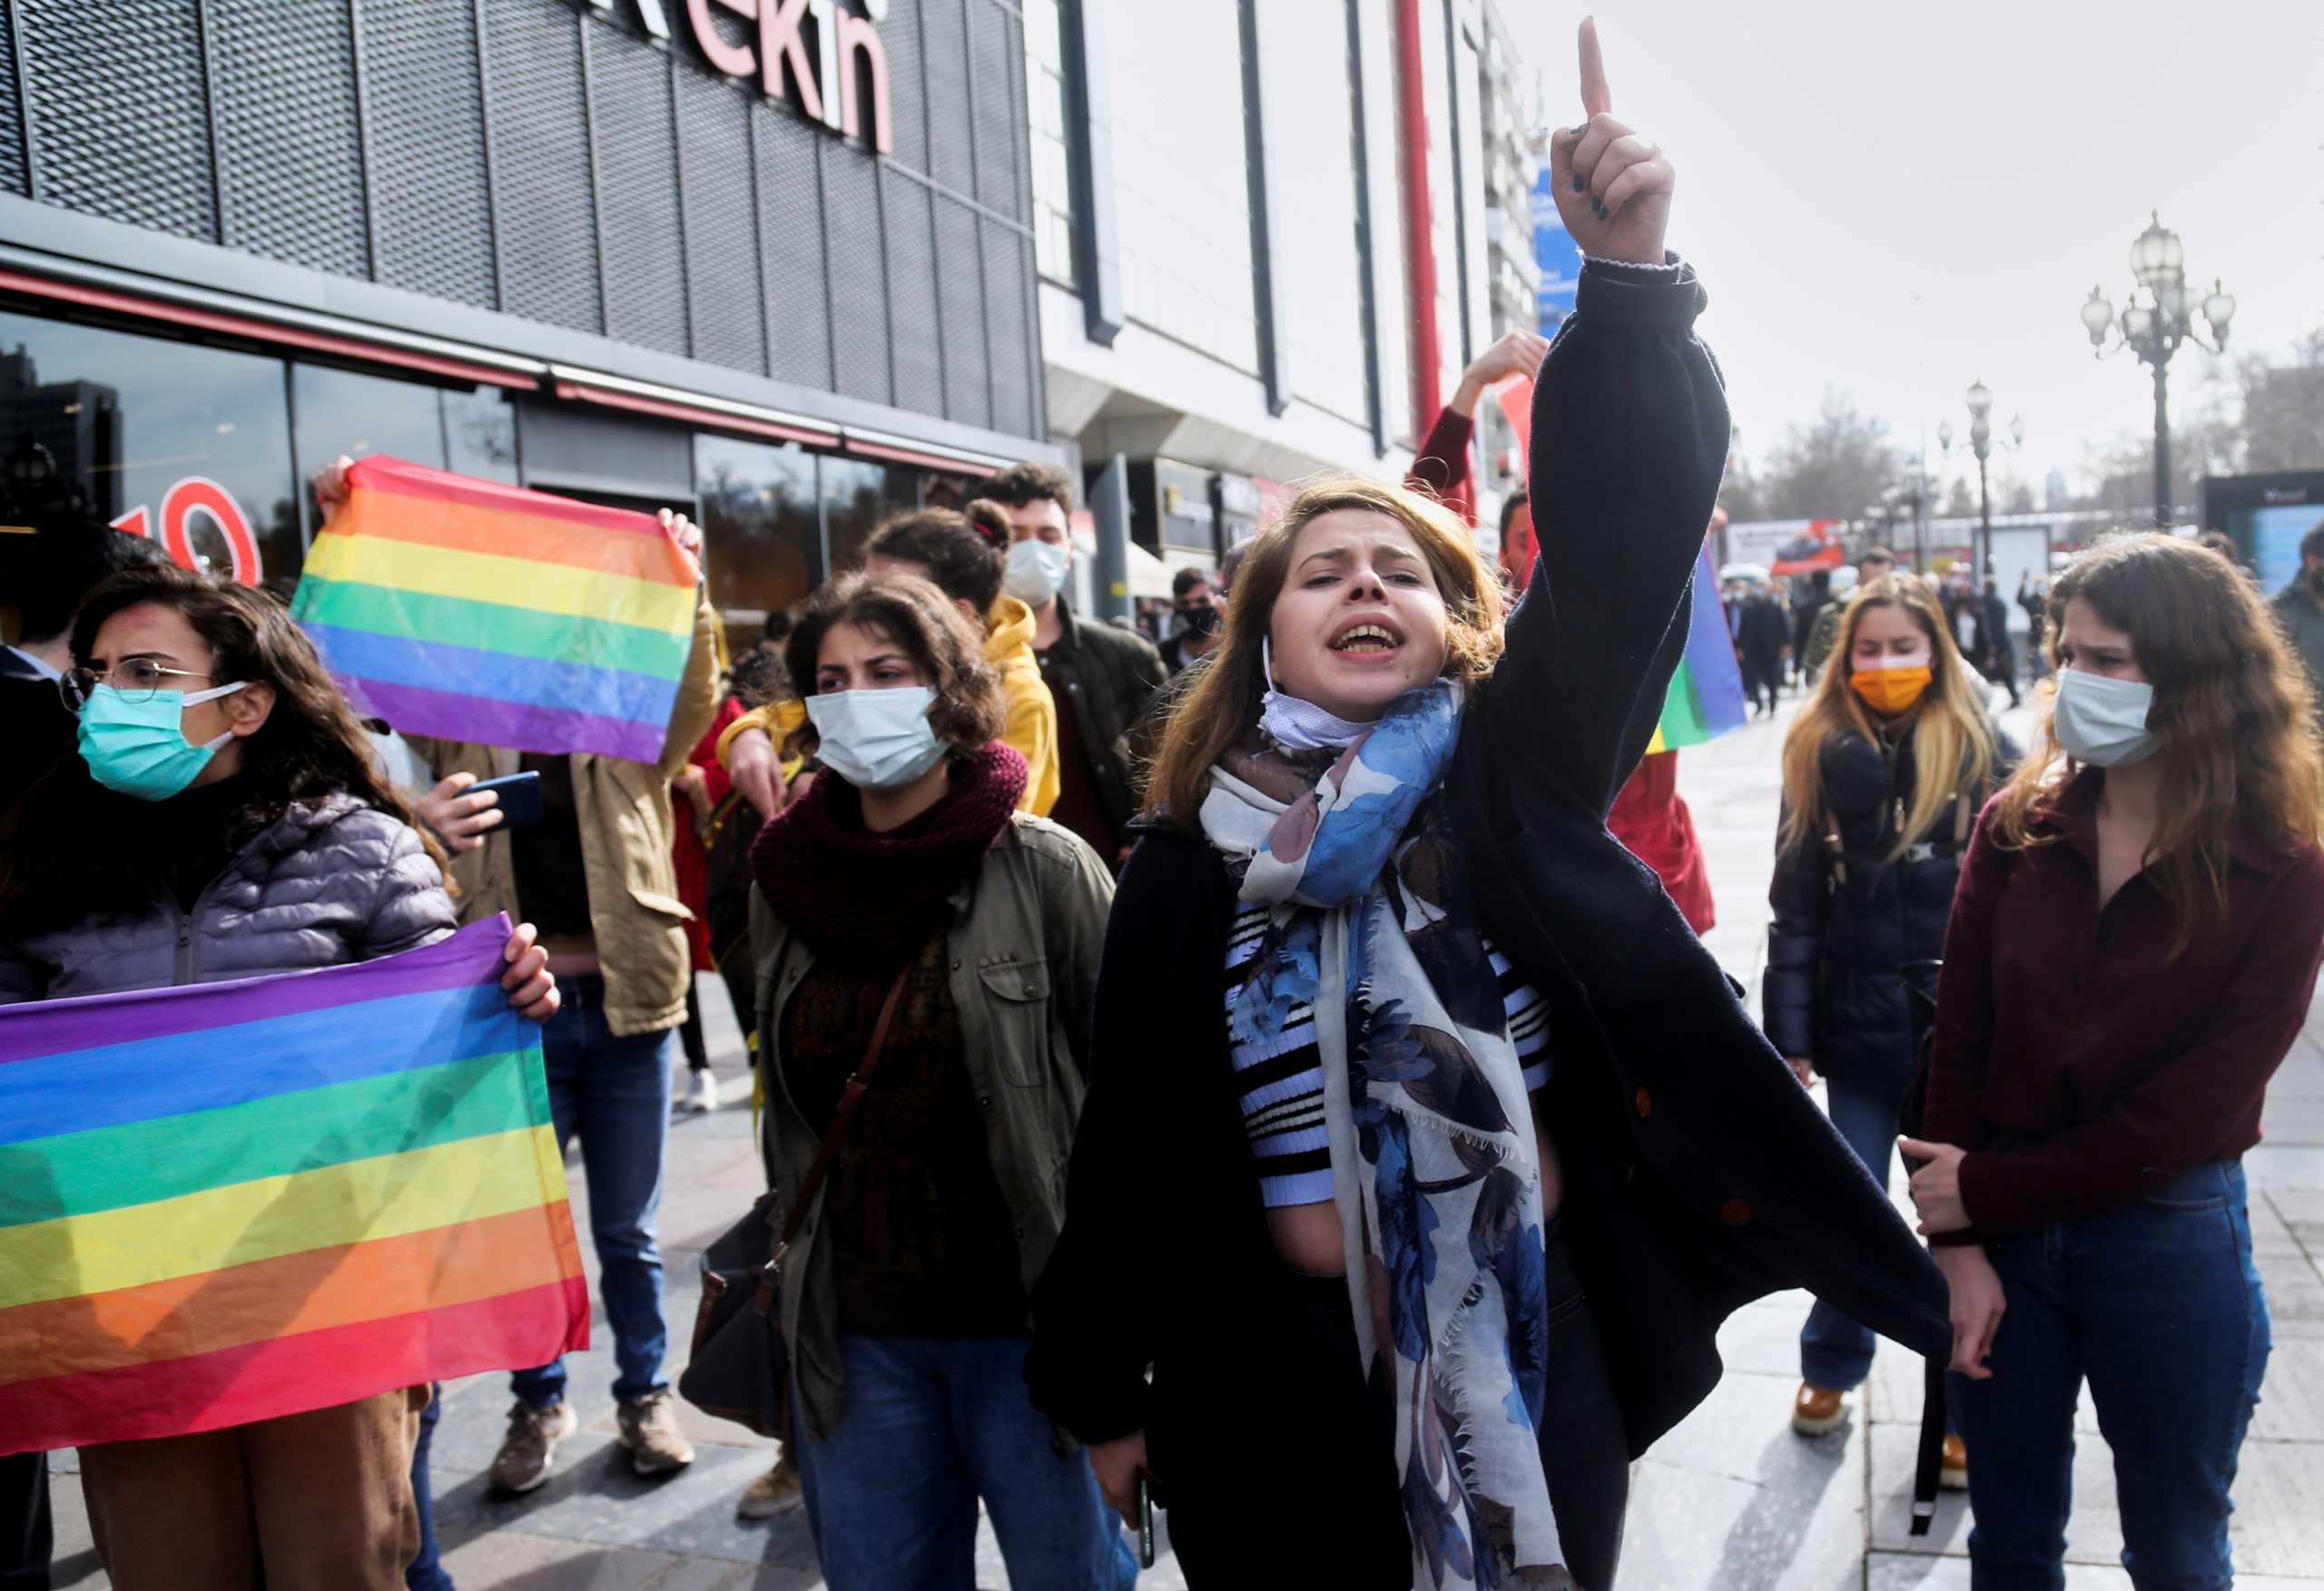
(1699,1174)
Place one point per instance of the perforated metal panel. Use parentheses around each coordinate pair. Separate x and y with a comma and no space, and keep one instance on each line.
(791,247)
(911,292)
(908,109)
(853,246)
(721,221)
(959,301)
(289,147)
(12,126)
(944,31)
(540,153)
(1008,277)
(996,78)
(124,111)
(431,195)
(635,140)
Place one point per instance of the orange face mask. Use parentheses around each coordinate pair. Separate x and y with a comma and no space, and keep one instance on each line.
(1891,690)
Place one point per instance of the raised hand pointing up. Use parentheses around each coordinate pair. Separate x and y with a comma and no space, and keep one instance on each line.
(1613,187)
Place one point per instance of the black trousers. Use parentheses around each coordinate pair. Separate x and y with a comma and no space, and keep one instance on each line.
(1306,1494)
(26,1534)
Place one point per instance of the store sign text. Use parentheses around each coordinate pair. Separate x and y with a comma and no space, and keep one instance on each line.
(822,75)
(180,504)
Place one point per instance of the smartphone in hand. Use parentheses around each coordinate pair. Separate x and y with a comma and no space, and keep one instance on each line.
(1145,1524)
(520,794)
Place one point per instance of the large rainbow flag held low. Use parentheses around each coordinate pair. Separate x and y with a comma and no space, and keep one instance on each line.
(230,1202)
(472,611)
(1706,697)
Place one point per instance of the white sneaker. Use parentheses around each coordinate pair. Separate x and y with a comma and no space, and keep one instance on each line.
(702,1094)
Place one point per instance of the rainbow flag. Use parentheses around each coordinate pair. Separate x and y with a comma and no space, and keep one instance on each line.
(472,611)
(1706,697)
(229,1202)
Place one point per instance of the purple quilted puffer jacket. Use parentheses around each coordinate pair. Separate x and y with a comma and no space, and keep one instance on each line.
(327,884)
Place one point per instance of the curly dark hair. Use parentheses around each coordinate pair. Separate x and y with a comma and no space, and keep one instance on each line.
(916,616)
(961,563)
(1021,483)
(100,851)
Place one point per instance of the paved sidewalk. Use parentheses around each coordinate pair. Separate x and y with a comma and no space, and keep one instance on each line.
(1731,1501)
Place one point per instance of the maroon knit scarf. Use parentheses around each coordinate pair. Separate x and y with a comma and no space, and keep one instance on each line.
(861,898)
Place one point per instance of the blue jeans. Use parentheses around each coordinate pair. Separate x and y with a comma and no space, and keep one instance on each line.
(613,1094)
(931,1424)
(424,1572)
(1835,1352)
(2161,1306)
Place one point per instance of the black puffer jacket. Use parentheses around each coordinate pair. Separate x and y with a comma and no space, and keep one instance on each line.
(1845,928)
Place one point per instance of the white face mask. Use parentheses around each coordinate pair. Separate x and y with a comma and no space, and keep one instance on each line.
(876,739)
(1035,571)
(2103,722)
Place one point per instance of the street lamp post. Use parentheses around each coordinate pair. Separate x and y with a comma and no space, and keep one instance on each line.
(2154,329)
(1981,443)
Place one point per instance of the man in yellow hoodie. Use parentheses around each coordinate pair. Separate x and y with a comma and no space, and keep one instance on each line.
(939,546)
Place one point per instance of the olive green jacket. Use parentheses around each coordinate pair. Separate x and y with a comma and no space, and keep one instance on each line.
(1023,953)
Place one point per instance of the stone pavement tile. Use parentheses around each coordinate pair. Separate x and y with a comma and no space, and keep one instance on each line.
(2294,1115)
(597,1497)
(1761,1342)
(2279,1528)
(1905,1572)
(1732,1498)
(510,1560)
(2291,1398)
(2272,1166)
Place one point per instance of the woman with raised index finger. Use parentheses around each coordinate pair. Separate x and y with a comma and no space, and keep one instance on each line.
(1426,1147)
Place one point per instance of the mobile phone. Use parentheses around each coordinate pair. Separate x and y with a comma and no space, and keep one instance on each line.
(520,798)
(1145,1524)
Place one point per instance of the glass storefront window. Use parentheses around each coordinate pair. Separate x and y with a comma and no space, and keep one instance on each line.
(858,497)
(186,444)
(762,529)
(342,412)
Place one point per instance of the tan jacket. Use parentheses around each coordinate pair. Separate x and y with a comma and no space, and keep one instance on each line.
(624,808)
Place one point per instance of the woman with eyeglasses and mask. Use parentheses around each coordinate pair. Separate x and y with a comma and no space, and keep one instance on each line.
(1884,772)
(225,819)
(2133,952)
(1428,1146)
(918,932)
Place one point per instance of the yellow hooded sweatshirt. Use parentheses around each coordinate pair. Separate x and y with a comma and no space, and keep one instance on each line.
(1028,711)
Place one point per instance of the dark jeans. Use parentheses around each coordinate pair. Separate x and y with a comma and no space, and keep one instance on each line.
(1321,1507)
(690,1035)
(932,1424)
(26,1537)
(613,1094)
(424,1572)
(2161,1308)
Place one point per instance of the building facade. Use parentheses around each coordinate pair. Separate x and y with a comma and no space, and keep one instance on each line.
(778,271)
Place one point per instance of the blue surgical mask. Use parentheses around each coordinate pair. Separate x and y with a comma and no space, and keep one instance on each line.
(1035,571)
(877,739)
(2103,722)
(139,748)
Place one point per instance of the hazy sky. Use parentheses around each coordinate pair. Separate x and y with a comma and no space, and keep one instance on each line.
(1898,200)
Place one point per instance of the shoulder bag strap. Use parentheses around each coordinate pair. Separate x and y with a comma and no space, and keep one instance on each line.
(851,1099)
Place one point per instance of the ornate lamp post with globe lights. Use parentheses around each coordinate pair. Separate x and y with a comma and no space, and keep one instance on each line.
(2154,329)
(1981,443)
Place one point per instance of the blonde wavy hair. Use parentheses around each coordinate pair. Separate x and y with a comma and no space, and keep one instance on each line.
(1223,705)
(1953,739)
(2233,709)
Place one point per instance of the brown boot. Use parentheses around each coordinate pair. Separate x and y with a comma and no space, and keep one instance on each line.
(1954,1475)
(1818,1411)
(649,1429)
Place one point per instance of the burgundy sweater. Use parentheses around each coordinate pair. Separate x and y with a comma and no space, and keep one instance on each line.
(2079,1065)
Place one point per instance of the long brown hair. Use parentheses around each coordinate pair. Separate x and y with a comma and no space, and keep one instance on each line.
(1222,705)
(917,616)
(1953,739)
(72,847)
(2233,711)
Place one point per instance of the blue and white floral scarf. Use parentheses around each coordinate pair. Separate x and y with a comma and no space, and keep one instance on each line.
(1434,1166)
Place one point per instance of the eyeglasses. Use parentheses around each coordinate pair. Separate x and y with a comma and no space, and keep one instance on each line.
(136,680)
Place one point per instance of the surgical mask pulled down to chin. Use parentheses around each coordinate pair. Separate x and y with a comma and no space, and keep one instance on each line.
(877,739)
(1035,571)
(2103,722)
(139,748)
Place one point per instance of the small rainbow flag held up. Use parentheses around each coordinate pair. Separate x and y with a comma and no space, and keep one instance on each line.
(472,611)
(1706,697)
(228,1202)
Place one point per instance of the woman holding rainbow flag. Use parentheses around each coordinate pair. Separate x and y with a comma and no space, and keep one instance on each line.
(1449,1144)
(225,821)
